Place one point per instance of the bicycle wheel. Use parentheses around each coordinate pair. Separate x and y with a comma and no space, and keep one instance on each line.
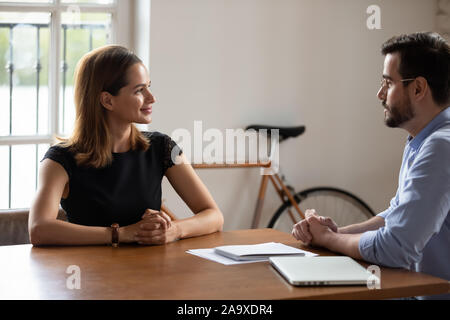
(342,206)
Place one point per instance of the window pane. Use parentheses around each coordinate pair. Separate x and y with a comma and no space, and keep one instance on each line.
(25,161)
(4,174)
(23,166)
(4,82)
(24,50)
(79,35)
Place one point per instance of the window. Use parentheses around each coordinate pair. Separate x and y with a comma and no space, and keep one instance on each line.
(40,43)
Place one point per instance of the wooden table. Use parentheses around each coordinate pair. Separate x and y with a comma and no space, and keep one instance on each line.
(168,272)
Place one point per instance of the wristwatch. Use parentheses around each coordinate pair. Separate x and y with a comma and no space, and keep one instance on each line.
(115,235)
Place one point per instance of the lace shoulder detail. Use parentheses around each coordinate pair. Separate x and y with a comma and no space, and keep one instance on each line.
(167,147)
(171,151)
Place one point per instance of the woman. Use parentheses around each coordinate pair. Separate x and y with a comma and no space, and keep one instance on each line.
(107,175)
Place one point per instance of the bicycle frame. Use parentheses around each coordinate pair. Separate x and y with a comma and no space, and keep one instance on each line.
(277,182)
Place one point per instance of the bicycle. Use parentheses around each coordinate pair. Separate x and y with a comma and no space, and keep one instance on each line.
(342,206)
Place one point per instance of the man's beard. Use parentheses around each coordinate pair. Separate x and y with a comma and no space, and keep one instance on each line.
(399,113)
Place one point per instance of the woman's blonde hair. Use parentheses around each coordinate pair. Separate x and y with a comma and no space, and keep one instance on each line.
(103,69)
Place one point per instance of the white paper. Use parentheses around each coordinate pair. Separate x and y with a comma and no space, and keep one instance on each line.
(211,255)
(272,247)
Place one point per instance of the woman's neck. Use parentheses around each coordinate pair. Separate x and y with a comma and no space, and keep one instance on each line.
(120,137)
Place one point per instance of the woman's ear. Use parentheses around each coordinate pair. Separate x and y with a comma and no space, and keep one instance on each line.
(106,100)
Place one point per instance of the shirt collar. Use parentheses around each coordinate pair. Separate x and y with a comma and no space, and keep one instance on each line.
(432,126)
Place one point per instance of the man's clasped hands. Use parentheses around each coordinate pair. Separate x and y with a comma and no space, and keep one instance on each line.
(314,229)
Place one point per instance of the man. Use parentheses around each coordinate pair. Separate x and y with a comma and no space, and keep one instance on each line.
(414,232)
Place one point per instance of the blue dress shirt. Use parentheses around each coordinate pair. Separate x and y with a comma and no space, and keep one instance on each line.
(416,235)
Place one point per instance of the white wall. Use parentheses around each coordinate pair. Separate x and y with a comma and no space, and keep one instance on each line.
(231,63)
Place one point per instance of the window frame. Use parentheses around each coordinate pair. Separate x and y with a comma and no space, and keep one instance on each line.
(120,11)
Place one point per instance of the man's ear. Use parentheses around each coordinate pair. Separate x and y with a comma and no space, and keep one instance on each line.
(106,100)
(421,88)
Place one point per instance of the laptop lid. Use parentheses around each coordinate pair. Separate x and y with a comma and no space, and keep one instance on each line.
(313,271)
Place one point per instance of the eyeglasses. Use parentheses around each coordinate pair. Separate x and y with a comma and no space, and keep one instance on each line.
(387,83)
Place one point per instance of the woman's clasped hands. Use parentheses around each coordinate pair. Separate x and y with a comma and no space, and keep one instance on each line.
(155,227)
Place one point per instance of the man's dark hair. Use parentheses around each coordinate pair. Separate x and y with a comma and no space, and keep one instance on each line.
(427,55)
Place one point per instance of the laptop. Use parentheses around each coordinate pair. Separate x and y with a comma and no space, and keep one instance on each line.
(320,271)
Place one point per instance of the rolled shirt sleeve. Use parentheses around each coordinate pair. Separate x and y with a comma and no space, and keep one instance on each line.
(385,212)
(423,206)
